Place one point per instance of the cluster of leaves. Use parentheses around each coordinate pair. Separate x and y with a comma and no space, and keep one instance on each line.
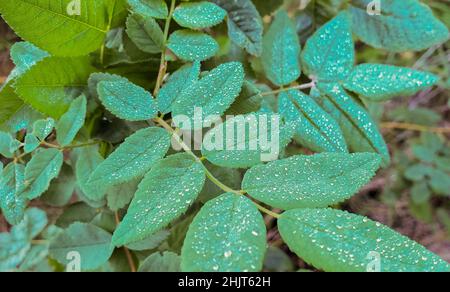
(81,86)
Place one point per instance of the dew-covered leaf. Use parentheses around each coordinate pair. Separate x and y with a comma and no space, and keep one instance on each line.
(91,242)
(360,130)
(314,181)
(25,55)
(42,128)
(176,84)
(127,100)
(43,167)
(336,241)
(12,203)
(281,51)
(329,54)
(164,194)
(380,82)
(315,128)
(199,15)
(192,46)
(71,122)
(5,143)
(45,86)
(145,33)
(31,143)
(214,94)
(245,26)
(227,235)
(247,140)
(150,8)
(402,25)
(165,262)
(132,159)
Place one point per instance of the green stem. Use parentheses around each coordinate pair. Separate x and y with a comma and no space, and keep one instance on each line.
(163,65)
(298,87)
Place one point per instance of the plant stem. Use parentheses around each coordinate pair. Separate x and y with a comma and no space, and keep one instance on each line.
(414,127)
(125,249)
(163,65)
(299,87)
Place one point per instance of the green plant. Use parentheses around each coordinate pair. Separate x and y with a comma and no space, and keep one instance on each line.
(81,86)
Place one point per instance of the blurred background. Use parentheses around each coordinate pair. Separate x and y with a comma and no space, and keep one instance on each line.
(413,195)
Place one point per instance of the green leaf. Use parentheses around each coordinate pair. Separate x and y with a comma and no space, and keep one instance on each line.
(164,194)
(329,54)
(418,172)
(43,167)
(281,51)
(61,189)
(245,141)
(119,196)
(78,212)
(381,82)
(5,143)
(420,193)
(46,84)
(402,26)
(43,128)
(16,244)
(10,101)
(145,33)
(71,122)
(88,161)
(23,119)
(11,203)
(310,181)
(127,100)
(199,15)
(277,260)
(336,241)
(56,28)
(249,100)
(440,182)
(268,6)
(91,242)
(214,94)
(167,262)
(315,128)
(25,55)
(132,159)
(151,242)
(150,8)
(31,143)
(227,235)
(176,84)
(245,26)
(360,130)
(192,46)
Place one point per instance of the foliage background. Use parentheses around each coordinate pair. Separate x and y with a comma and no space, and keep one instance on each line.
(390,198)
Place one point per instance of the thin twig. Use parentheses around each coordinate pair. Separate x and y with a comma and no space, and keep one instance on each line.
(414,127)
